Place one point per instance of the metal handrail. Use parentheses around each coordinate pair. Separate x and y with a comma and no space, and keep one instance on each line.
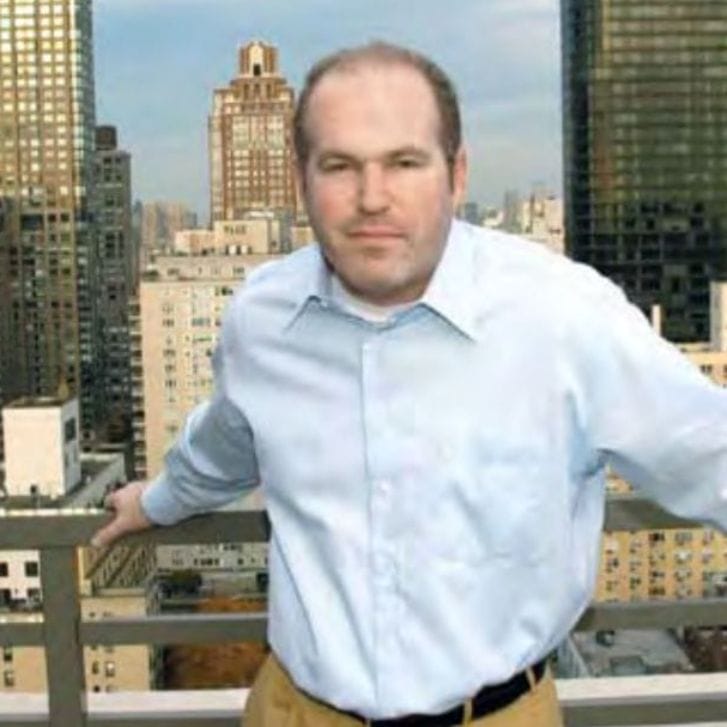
(57,534)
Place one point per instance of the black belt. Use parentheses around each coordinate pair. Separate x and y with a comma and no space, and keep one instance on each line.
(489,699)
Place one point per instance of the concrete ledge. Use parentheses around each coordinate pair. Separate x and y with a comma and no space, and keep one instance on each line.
(688,700)
(666,699)
(201,708)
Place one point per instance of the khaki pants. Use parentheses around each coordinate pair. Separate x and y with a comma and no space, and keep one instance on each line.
(274,701)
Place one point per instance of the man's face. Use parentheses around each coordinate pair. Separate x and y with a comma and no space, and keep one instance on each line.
(376,183)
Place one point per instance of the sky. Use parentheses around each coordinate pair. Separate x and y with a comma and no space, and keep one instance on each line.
(157,63)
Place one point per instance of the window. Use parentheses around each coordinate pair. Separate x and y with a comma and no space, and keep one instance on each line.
(34,594)
(7,654)
(31,568)
(9,678)
(3,570)
(110,669)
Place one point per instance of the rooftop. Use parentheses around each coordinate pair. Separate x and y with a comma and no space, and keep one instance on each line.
(632,652)
(38,402)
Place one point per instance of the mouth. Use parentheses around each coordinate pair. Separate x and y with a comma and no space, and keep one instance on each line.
(374,232)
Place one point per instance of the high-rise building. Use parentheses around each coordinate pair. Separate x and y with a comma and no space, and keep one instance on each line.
(251,139)
(157,223)
(119,273)
(511,211)
(645,139)
(176,326)
(718,316)
(48,254)
(541,219)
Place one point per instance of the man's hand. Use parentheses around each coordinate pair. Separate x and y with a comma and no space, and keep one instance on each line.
(129,515)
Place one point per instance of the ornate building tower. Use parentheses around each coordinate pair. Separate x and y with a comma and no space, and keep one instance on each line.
(250,139)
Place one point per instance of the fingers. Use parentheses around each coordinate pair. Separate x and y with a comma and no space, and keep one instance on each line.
(112,530)
(108,502)
(107,534)
(128,515)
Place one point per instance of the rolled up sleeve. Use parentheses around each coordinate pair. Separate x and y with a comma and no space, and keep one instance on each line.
(213,460)
(656,418)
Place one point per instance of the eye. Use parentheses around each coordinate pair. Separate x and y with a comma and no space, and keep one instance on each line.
(407,162)
(331,166)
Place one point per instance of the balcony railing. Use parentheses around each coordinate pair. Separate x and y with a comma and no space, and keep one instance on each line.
(669,699)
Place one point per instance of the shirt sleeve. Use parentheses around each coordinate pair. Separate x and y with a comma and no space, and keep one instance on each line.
(213,460)
(652,414)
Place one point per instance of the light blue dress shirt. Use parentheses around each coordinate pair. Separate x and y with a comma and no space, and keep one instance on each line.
(436,482)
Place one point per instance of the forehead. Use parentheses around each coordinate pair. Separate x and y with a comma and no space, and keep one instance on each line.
(372,106)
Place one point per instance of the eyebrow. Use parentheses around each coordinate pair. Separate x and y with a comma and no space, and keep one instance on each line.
(409,150)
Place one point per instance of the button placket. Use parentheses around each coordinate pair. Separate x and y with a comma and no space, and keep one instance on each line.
(384,570)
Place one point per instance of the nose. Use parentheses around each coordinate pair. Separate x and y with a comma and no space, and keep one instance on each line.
(373,193)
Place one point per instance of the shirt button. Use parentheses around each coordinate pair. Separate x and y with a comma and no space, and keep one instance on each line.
(383,486)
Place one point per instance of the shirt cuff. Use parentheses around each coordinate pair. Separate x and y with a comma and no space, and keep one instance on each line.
(160,504)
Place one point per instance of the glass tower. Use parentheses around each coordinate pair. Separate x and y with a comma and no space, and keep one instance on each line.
(48,257)
(645,146)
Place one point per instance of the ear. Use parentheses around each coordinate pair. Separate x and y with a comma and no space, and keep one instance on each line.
(459,177)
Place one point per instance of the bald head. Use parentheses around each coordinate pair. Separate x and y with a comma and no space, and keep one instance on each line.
(383,55)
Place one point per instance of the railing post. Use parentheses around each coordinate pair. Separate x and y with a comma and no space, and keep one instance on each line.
(63,649)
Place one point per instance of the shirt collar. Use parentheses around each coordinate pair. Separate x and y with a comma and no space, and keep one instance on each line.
(450,293)
(315,285)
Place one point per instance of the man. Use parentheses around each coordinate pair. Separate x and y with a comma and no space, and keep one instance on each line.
(429,408)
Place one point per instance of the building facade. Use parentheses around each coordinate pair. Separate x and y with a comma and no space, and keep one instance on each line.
(119,274)
(645,146)
(56,424)
(251,139)
(261,232)
(112,581)
(108,668)
(156,225)
(541,219)
(48,248)
(180,307)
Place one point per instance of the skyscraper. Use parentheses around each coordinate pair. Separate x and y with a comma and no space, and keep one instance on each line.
(48,251)
(645,132)
(250,138)
(119,274)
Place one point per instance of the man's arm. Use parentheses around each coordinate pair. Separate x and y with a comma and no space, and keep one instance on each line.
(659,422)
(211,463)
